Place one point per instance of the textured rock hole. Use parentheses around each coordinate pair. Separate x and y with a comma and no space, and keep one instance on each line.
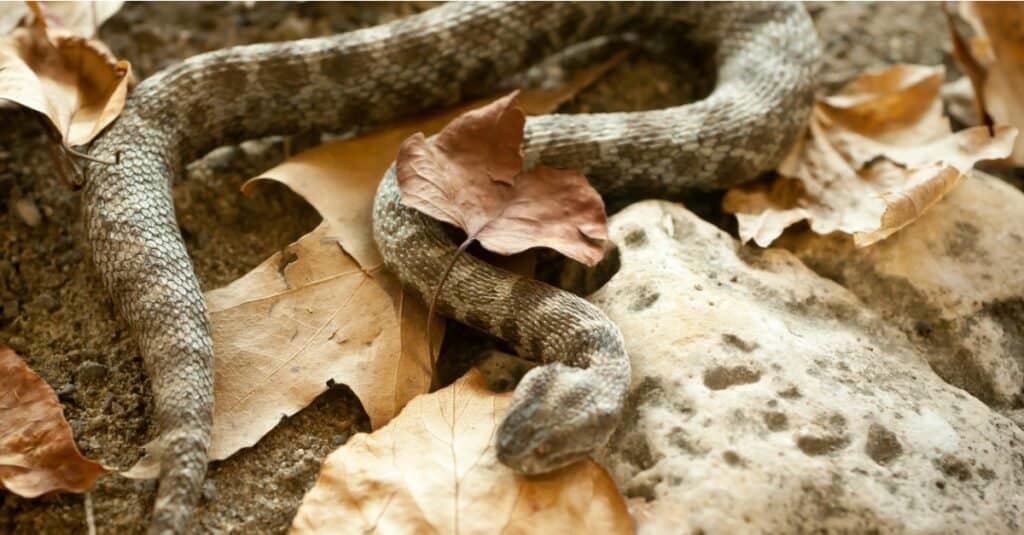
(739,343)
(680,439)
(637,452)
(986,473)
(882,445)
(733,458)
(954,467)
(643,298)
(790,393)
(821,445)
(635,238)
(776,421)
(722,377)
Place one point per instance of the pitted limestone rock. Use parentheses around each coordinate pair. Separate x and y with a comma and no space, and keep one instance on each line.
(768,399)
(953,281)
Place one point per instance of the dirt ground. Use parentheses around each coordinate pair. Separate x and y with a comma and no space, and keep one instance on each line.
(55,313)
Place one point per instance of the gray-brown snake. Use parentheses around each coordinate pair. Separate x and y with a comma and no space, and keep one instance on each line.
(766,57)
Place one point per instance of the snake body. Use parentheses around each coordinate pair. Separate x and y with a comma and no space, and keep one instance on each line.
(766,56)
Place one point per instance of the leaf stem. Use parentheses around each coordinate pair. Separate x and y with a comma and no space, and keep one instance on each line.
(433,305)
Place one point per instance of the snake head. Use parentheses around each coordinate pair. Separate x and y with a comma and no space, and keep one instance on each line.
(559,415)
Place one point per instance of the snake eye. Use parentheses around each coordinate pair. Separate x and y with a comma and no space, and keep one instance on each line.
(542,450)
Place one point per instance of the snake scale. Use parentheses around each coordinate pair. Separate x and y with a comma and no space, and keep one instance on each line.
(766,57)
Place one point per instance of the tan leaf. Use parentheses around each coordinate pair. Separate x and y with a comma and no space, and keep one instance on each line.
(876,155)
(302,317)
(471,176)
(433,470)
(997,65)
(340,178)
(38,454)
(73,81)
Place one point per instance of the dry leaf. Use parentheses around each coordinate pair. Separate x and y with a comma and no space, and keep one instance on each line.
(340,178)
(471,176)
(995,63)
(302,317)
(433,470)
(876,155)
(38,454)
(75,82)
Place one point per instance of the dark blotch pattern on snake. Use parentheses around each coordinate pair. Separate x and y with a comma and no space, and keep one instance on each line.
(766,57)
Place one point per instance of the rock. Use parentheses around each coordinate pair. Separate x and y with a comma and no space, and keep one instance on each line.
(953,281)
(768,399)
(27,211)
(90,372)
(46,302)
(66,393)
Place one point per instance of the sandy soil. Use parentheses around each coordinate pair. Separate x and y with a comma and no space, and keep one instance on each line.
(55,313)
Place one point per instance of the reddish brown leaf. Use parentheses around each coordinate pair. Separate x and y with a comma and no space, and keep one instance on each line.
(471,176)
(37,452)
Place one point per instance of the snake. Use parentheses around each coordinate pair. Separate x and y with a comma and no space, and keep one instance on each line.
(765,57)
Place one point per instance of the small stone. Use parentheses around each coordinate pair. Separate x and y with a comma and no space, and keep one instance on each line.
(27,212)
(46,301)
(91,372)
(222,157)
(66,393)
(209,490)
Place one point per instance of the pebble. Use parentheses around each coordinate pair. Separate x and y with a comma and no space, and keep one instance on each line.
(46,301)
(209,490)
(27,211)
(91,372)
(66,393)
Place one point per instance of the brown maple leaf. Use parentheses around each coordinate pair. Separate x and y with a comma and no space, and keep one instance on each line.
(471,176)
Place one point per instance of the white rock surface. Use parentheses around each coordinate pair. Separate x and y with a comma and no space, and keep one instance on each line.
(768,399)
(953,281)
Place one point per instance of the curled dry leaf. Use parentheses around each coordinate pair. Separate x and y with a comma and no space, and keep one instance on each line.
(433,470)
(37,452)
(994,61)
(875,156)
(73,81)
(471,176)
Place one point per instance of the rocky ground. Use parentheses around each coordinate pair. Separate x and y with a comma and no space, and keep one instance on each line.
(58,317)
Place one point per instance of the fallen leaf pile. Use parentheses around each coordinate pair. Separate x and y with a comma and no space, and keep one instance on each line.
(994,61)
(471,176)
(876,155)
(433,469)
(54,66)
(37,452)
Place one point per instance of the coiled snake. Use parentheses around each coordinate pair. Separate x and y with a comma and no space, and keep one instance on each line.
(766,56)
